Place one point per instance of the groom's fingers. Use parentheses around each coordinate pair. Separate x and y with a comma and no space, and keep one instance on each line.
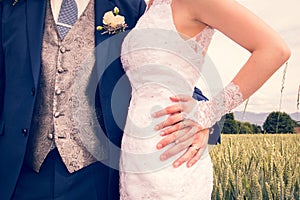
(190,153)
(202,141)
(196,157)
(177,148)
(180,132)
(174,137)
(189,134)
(191,156)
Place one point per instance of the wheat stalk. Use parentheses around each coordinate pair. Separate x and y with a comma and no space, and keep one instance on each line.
(298,103)
(281,94)
(257,167)
(246,104)
(282,84)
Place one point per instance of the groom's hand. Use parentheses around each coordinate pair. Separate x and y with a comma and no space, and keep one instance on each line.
(183,132)
(194,147)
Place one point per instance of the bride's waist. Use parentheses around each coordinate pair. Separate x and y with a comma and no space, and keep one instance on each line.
(159,91)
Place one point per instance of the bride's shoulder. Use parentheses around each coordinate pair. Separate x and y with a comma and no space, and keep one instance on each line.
(207,5)
(213,12)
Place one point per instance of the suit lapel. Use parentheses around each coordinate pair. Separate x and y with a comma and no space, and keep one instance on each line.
(101,41)
(101,7)
(35,14)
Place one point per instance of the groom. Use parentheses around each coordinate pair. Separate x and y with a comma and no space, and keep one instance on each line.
(41,156)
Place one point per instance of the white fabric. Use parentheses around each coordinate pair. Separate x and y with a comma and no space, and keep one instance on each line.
(207,113)
(56,4)
(160,63)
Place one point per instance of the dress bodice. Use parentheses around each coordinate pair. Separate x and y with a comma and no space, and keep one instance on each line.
(159,63)
(155,52)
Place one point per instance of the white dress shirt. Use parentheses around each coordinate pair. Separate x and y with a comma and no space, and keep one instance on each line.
(56,4)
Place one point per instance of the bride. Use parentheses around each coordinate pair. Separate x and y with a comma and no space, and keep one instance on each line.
(162,57)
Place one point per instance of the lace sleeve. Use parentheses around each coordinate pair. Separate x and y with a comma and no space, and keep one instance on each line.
(207,113)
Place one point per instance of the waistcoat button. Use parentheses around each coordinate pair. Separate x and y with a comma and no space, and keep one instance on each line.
(24,131)
(60,70)
(56,114)
(58,92)
(62,49)
(50,136)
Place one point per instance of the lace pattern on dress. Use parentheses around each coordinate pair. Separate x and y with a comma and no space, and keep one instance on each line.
(201,41)
(160,2)
(198,43)
(207,113)
(159,63)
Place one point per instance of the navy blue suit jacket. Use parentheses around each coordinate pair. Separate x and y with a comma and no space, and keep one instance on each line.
(21,35)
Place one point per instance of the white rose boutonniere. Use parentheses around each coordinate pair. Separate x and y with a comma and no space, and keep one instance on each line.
(113,23)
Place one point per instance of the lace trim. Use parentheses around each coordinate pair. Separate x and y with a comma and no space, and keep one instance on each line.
(200,42)
(160,2)
(205,37)
(207,113)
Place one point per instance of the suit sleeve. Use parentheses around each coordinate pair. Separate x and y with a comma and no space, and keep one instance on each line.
(2,72)
(215,135)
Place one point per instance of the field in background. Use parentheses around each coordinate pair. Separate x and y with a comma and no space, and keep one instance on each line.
(265,166)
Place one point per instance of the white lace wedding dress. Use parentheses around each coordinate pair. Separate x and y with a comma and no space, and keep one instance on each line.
(160,63)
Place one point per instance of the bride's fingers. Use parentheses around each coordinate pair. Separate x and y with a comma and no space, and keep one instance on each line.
(176,127)
(171,120)
(168,110)
(181,97)
(174,137)
(174,150)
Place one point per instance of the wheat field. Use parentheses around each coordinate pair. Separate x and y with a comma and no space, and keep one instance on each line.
(264,166)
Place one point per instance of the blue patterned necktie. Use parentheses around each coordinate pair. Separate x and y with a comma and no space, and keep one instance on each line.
(67,17)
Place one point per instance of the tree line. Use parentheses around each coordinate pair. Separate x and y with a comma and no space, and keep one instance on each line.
(276,122)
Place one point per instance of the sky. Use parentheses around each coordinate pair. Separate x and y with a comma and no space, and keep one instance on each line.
(228,57)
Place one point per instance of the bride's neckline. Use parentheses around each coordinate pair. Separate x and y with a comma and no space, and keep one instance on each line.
(183,36)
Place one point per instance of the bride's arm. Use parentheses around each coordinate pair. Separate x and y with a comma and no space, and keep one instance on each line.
(268,50)
(268,53)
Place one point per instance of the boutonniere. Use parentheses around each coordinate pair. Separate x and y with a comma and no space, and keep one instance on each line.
(113,23)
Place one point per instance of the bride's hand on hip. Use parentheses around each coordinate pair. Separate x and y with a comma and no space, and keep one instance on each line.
(179,114)
(178,128)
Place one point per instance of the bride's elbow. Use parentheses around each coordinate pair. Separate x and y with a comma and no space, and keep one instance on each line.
(282,52)
(285,52)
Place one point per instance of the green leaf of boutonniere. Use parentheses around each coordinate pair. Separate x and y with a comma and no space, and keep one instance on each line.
(113,23)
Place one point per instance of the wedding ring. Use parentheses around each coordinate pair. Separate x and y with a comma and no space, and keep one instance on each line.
(195,147)
(184,125)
